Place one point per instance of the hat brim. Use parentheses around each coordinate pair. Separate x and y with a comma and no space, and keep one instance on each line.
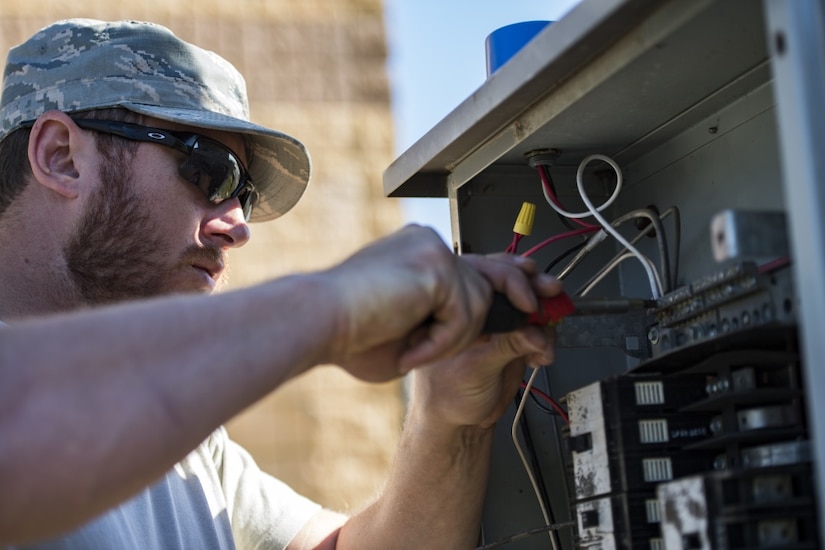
(279,164)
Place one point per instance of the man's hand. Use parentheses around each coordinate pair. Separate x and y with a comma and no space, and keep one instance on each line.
(435,493)
(407,300)
(476,387)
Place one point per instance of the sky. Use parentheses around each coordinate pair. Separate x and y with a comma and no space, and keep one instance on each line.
(436,60)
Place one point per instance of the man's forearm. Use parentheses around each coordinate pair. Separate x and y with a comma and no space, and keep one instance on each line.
(435,492)
(101,403)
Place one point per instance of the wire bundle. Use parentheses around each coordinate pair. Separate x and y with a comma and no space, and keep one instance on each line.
(661,279)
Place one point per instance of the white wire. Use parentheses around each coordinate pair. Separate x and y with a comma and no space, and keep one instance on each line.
(655,287)
(611,266)
(655,284)
(524,461)
(589,212)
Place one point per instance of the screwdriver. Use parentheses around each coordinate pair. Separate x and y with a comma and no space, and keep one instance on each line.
(504,317)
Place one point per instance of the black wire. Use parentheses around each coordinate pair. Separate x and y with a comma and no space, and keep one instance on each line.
(563,255)
(546,171)
(542,406)
(677,242)
(531,449)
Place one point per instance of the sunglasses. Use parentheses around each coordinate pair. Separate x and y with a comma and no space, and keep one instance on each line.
(210,165)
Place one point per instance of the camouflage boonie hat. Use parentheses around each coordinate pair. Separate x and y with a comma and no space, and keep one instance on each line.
(80,64)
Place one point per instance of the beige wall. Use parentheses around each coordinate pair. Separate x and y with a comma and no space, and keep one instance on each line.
(315,69)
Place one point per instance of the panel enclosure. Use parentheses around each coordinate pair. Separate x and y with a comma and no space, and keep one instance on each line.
(682,96)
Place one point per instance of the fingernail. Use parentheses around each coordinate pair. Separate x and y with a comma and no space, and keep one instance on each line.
(546,278)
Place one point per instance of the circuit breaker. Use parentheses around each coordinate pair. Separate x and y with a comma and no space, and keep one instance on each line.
(671,151)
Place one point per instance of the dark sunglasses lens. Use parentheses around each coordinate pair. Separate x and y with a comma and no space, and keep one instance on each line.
(219,173)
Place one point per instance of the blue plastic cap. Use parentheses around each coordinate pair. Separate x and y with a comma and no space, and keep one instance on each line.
(504,43)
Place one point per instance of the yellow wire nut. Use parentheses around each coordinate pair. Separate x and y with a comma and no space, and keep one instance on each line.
(524,222)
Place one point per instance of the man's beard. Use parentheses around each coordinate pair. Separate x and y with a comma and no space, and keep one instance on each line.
(116,253)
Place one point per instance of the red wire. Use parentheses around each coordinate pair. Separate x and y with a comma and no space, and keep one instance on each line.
(512,248)
(558,408)
(773,265)
(549,190)
(559,237)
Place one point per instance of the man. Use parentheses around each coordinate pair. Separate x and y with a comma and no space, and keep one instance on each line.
(128,169)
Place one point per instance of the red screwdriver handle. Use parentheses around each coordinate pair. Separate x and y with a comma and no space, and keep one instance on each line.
(504,317)
(552,310)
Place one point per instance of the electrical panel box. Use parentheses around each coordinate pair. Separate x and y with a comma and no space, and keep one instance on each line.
(673,152)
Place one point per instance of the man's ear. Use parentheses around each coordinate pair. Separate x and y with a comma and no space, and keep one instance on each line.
(59,153)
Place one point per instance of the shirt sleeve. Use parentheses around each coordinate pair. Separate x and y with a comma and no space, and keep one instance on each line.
(264,512)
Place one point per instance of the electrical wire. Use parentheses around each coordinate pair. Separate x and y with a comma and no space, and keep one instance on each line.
(677,242)
(531,452)
(668,275)
(529,385)
(532,532)
(661,240)
(672,264)
(655,225)
(540,495)
(514,434)
(560,236)
(541,406)
(584,249)
(644,232)
(590,208)
(552,402)
(588,247)
(512,248)
(548,188)
(558,259)
(621,256)
(588,286)
(655,284)
(773,265)
(549,185)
